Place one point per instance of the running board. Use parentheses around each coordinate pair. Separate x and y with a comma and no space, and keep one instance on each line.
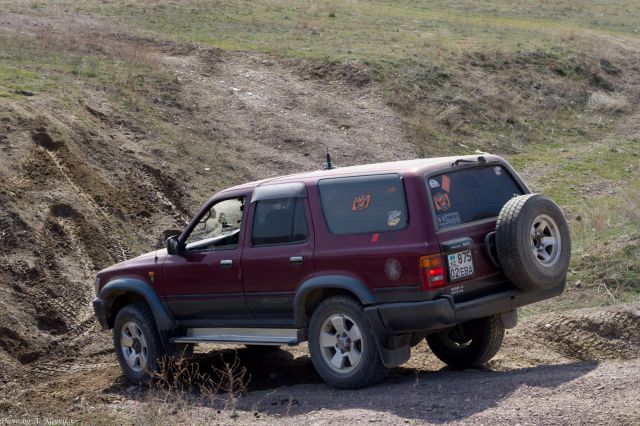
(250,336)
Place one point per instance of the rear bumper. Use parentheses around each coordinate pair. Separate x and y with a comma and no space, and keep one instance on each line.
(444,312)
(100,308)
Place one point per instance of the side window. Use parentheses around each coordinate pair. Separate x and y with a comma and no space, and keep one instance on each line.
(279,221)
(219,227)
(364,204)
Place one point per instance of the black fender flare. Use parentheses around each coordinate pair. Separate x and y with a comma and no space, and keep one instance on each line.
(165,324)
(120,286)
(328,282)
(391,357)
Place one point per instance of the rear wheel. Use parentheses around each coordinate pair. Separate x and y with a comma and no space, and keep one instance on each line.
(342,346)
(469,344)
(137,342)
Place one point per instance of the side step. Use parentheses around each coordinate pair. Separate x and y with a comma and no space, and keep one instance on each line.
(250,336)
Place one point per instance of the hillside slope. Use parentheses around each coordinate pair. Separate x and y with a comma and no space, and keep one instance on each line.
(84,189)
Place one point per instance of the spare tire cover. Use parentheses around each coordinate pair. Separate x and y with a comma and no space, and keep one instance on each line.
(533,242)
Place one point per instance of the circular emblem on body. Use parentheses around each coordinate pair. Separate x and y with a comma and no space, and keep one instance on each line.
(393,269)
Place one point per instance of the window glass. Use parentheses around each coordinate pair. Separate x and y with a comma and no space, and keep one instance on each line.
(364,204)
(472,194)
(219,227)
(279,221)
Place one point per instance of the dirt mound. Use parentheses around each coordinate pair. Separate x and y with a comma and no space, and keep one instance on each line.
(42,138)
(354,73)
(613,333)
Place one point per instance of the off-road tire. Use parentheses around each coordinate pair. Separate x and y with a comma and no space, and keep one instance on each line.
(514,243)
(369,369)
(485,337)
(140,314)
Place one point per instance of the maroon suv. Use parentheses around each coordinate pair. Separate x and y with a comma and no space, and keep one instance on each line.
(362,262)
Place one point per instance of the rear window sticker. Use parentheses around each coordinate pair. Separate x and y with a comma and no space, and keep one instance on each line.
(391,190)
(393,269)
(433,183)
(393,217)
(442,202)
(446,183)
(447,220)
(497,170)
(361,202)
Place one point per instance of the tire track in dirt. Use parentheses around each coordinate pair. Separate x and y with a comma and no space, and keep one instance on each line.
(120,251)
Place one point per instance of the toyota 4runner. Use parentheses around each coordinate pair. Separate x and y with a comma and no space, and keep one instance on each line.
(362,262)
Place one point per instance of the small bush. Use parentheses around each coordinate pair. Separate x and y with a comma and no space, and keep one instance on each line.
(601,83)
(602,102)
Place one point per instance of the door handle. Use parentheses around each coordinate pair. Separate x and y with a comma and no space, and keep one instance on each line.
(296,260)
(226,263)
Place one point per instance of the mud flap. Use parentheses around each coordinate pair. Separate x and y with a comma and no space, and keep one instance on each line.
(393,350)
(510,318)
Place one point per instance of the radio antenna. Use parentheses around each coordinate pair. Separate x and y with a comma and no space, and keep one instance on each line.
(329,163)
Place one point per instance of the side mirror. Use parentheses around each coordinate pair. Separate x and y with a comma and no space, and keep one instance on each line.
(173,245)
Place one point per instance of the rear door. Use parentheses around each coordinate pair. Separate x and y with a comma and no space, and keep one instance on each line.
(278,253)
(371,232)
(466,201)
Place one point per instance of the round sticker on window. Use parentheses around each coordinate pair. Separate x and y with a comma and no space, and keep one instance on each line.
(361,202)
(442,201)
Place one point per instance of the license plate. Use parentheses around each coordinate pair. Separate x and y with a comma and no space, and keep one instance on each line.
(460,265)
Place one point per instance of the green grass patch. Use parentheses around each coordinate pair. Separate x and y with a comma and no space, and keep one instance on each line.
(15,79)
(365,30)
(25,64)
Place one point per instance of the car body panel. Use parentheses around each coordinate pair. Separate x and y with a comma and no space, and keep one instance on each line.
(272,273)
(207,285)
(384,261)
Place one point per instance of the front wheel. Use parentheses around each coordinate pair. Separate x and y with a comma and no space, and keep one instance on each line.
(137,342)
(470,344)
(342,346)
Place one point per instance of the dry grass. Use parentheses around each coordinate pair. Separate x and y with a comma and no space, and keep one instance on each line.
(87,41)
(603,102)
(179,386)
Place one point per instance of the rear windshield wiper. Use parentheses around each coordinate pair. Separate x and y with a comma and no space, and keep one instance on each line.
(480,160)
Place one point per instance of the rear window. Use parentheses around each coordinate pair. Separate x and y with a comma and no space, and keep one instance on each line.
(365,204)
(472,194)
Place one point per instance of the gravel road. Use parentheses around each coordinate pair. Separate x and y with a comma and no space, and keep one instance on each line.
(575,393)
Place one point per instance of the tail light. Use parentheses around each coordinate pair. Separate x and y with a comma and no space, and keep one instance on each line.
(432,272)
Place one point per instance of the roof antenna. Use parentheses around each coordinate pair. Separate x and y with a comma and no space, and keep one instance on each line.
(329,163)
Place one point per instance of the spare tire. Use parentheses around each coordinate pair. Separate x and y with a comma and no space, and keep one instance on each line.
(533,242)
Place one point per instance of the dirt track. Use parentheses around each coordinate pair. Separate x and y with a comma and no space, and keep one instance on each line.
(575,393)
(573,368)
